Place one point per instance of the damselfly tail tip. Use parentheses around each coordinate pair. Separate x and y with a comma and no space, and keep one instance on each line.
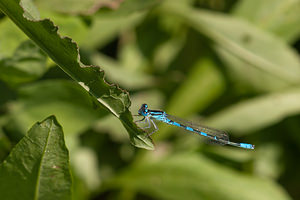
(247,146)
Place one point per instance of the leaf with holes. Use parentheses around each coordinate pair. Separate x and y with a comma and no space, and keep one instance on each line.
(64,52)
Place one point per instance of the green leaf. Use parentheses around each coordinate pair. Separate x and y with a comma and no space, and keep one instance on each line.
(256,113)
(38,166)
(191,176)
(277,16)
(246,43)
(27,64)
(70,26)
(64,52)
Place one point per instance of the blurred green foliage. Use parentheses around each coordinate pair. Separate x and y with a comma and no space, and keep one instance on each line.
(232,64)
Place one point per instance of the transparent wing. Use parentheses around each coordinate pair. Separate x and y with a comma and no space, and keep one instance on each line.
(205,129)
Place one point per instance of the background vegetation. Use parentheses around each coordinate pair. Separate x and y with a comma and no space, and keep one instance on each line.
(233,65)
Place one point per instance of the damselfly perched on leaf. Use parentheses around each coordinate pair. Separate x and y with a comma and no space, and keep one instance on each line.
(216,135)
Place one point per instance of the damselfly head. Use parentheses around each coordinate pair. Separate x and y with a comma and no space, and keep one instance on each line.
(143,110)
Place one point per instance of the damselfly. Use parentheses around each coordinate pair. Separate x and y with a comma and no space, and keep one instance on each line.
(218,136)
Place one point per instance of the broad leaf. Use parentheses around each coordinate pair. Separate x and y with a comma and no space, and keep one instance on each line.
(38,166)
(64,52)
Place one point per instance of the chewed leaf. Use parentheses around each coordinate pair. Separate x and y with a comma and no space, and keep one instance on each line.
(64,52)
